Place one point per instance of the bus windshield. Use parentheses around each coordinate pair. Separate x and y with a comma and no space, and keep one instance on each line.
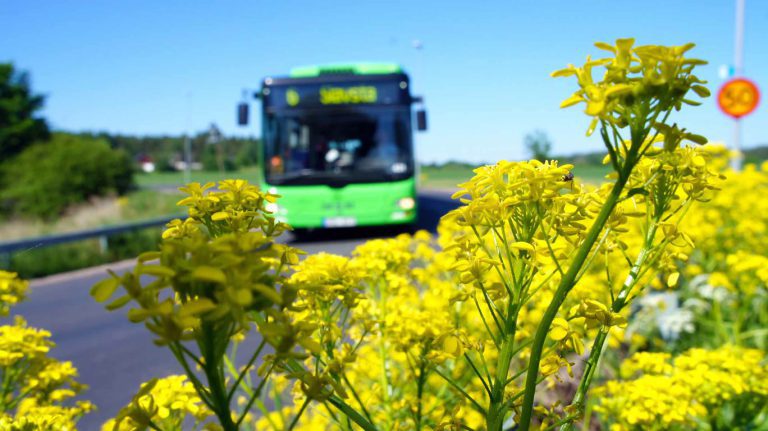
(354,145)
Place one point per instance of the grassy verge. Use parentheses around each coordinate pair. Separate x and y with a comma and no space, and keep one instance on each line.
(148,203)
(39,262)
(446,176)
(592,174)
(449,175)
(42,261)
(135,206)
(155,179)
(432,177)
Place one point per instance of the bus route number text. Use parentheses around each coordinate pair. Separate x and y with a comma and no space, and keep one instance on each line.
(348,95)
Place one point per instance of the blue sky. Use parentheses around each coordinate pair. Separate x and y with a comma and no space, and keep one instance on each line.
(166,66)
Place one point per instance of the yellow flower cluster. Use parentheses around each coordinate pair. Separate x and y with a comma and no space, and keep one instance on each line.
(220,263)
(49,418)
(37,390)
(216,275)
(382,325)
(33,379)
(730,233)
(721,285)
(658,392)
(235,207)
(455,332)
(634,77)
(169,404)
(12,291)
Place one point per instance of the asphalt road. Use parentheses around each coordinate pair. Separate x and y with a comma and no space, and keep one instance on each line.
(113,355)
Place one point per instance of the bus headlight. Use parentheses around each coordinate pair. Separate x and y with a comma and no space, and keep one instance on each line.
(406,203)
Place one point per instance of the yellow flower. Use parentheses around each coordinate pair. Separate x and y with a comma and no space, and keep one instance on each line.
(635,75)
(171,403)
(12,291)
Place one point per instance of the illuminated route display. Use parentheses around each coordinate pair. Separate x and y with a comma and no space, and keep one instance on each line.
(299,95)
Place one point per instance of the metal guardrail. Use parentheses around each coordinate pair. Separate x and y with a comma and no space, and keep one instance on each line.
(8,247)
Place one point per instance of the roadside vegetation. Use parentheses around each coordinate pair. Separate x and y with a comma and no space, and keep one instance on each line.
(107,211)
(447,176)
(542,302)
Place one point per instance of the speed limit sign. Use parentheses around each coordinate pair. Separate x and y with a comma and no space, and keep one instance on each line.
(738,97)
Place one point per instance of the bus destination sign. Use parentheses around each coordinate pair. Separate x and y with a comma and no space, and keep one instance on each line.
(326,95)
(348,95)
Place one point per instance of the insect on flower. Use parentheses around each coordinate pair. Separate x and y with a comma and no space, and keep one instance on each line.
(568,178)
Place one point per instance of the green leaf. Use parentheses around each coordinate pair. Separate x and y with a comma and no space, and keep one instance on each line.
(102,290)
(637,191)
(269,292)
(149,255)
(156,270)
(210,274)
(137,315)
(221,215)
(114,305)
(701,90)
(197,306)
(698,139)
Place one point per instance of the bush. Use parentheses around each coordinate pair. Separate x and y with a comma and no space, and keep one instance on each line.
(47,177)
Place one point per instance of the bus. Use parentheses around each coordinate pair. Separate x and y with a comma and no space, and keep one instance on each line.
(337,145)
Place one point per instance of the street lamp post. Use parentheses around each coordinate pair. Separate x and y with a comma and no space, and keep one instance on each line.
(215,138)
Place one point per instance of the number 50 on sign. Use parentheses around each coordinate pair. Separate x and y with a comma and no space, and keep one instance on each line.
(738,97)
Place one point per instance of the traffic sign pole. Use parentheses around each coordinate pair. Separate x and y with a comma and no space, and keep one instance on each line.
(737,157)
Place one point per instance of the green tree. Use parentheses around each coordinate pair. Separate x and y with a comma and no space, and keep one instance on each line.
(19,127)
(538,145)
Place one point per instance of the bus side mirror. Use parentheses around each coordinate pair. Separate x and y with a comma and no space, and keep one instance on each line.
(421,120)
(242,114)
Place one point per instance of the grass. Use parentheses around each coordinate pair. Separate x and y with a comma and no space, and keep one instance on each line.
(148,203)
(39,262)
(448,176)
(135,206)
(593,174)
(144,204)
(431,177)
(155,179)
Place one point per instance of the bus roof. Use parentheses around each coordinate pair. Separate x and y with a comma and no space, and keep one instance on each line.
(345,69)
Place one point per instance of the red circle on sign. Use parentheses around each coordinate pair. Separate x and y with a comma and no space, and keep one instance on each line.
(738,97)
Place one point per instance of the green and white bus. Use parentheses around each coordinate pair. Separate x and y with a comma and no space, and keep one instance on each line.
(337,145)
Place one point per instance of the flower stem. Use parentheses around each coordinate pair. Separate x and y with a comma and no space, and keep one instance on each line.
(497,409)
(565,286)
(616,306)
(351,413)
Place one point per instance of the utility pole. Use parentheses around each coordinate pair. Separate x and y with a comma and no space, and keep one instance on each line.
(738,68)
(215,137)
(187,159)
(187,143)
